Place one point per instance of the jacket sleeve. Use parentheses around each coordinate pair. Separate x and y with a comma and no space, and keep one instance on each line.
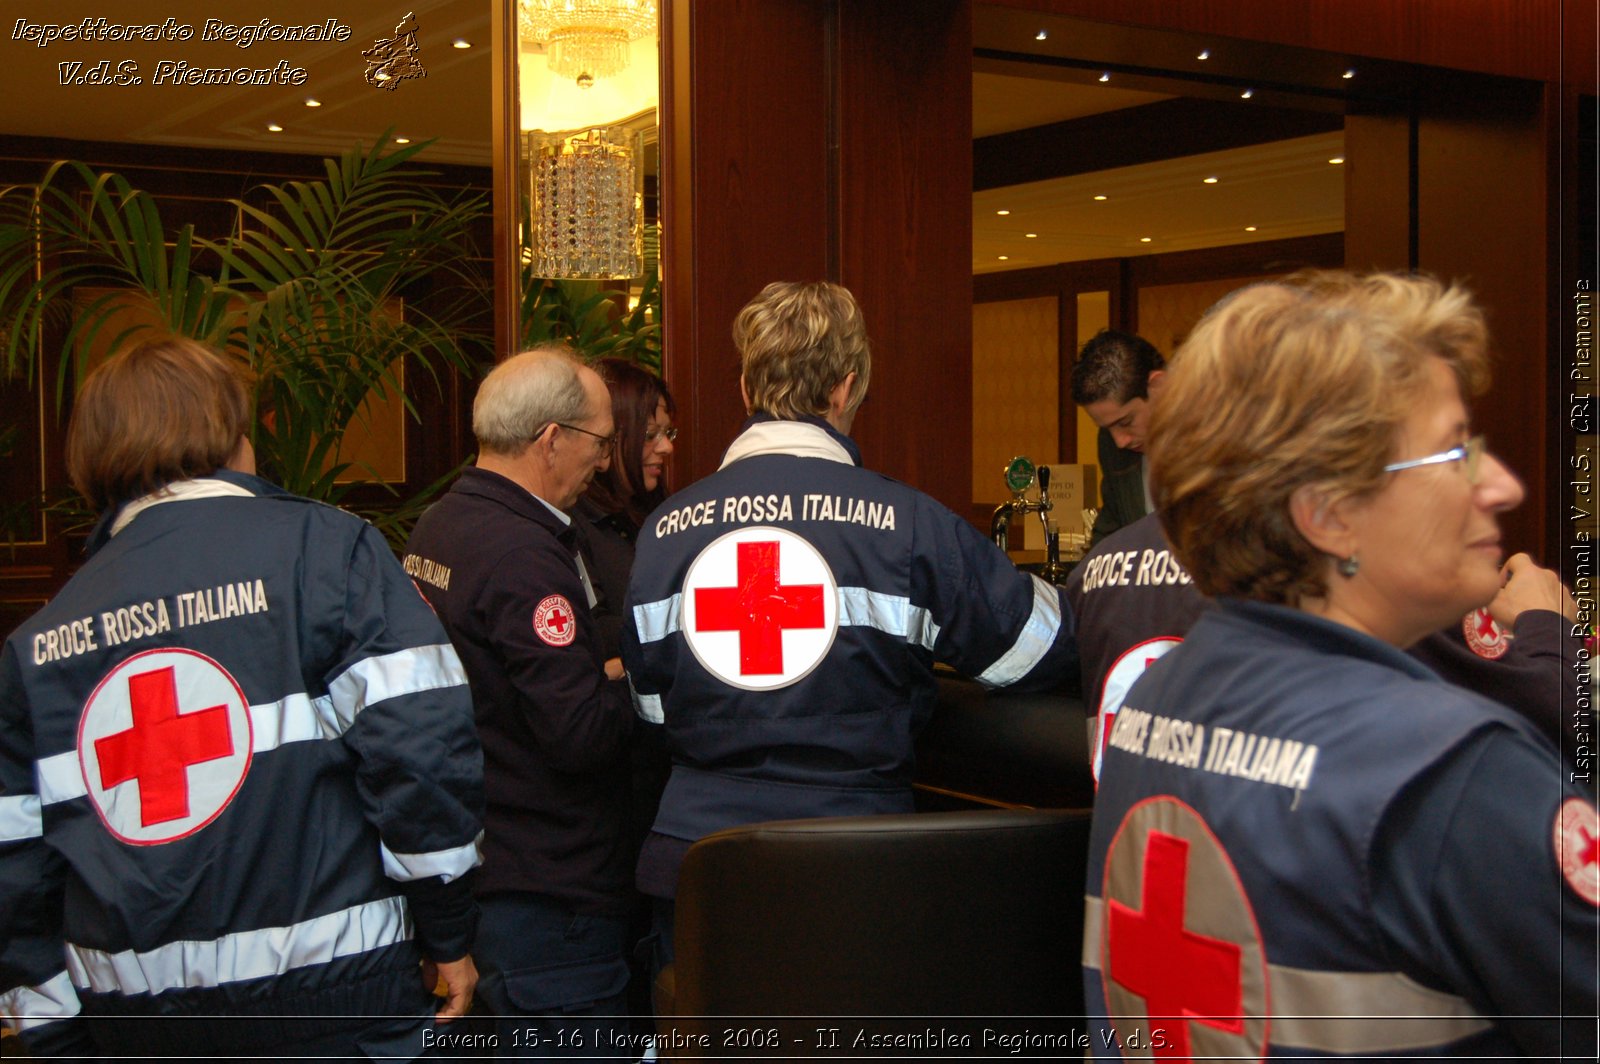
(580,720)
(419,766)
(37,999)
(1472,887)
(989,620)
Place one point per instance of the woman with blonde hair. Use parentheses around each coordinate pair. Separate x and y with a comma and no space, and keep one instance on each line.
(1304,840)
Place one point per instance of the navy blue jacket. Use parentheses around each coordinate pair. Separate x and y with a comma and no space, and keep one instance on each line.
(238,775)
(1305,842)
(500,568)
(783,620)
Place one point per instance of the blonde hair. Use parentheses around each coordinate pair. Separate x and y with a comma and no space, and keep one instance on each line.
(164,411)
(796,343)
(1282,385)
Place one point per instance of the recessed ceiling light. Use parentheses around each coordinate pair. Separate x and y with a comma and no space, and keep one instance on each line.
(1249,228)
(1031,236)
(461,42)
(1205,53)
(312,102)
(273,127)
(1144,240)
(1246,94)
(1002,212)
(1099,197)
(1349,73)
(1106,76)
(1208,181)
(1336,160)
(1041,35)
(402,140)
(1005,258)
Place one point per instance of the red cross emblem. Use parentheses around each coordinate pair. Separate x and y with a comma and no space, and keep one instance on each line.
(1577,841)
(1484,636)
(761,607)
(553,621)
(164,744)
(1185,973)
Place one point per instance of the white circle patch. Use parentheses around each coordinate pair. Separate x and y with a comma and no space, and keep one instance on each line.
(164,744)
(1128,667)
(760,608)
(554,621)
(1486,638)
(1577,841)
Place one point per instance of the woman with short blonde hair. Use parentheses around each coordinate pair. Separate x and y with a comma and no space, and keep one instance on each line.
(1328,828)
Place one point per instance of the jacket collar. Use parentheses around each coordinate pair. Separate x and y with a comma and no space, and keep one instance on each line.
(514,497)
(219,484)
(808,437)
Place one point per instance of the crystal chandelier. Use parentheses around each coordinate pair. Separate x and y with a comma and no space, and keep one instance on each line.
(587,38)
(586,211)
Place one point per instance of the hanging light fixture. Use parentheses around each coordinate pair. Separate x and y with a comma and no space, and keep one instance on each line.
(586,212)
(587,39)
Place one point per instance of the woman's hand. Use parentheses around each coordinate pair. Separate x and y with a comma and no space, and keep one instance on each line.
(1528,586)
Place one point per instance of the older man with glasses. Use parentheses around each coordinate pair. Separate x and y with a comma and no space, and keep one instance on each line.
(498,559)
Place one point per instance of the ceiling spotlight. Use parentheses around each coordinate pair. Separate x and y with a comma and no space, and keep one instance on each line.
(1246,94)
(1249,228)
(311,102)
(1336,160)
(1205,53)
(1208,180)
(1144,240)
(1105,76)
(1349,73)
(1041,35)
(1031,236)
(1002,213)
(1005,258)
(273,127)
(1099,197)
(461,42)
(402,140)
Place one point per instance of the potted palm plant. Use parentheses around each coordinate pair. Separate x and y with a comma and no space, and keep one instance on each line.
(307,291)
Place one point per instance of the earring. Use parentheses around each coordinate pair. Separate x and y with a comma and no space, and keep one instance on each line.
(1348,567)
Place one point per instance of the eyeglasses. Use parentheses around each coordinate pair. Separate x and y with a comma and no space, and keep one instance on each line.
(652,435)
(1468,454)
(606,442)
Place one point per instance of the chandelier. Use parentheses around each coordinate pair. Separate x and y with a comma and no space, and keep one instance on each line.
(587,38)
(586,212)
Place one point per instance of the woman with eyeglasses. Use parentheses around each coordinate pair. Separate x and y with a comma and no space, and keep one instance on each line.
(617,501)
(1304,841)
(608,516)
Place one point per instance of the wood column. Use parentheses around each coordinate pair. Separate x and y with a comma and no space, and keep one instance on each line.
(823,140)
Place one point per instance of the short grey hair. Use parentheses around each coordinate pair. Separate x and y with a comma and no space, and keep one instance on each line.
(525,394)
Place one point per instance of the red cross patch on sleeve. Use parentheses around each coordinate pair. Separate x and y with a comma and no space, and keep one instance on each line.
(554,621)
(1577,842)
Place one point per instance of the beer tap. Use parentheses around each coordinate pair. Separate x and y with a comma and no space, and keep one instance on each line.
(1019,475)
(1054,571)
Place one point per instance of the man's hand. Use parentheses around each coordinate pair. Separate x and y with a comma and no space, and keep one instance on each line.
(459,978)
(1527,586)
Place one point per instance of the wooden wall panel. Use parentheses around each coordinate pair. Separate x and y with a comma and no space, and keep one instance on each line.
(823,140)
(1482,210)
(746,182)
(905,135)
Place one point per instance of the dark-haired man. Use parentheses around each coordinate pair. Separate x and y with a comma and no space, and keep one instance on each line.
(1114,380)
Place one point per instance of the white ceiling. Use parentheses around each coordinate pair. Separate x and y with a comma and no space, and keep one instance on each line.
(1284,189)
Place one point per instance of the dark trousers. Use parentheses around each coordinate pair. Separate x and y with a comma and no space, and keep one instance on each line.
(555,980)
